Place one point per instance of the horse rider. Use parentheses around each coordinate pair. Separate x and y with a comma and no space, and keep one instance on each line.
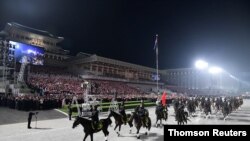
(95,117)
(142,113)
(91,108)
(122,112)
(159,108)
(180,114)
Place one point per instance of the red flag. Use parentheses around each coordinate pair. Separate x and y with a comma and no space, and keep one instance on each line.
(163,98)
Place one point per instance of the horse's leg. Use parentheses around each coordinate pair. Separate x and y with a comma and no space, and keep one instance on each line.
(118,132)
(106,133)
(138,132)
(120,127)
(130,127)
(86,135)
(161,122)
(91,136)
(156,122)
(116,126)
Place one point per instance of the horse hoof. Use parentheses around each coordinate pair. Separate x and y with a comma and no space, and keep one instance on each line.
(130,131)
(138,137)
(146,133)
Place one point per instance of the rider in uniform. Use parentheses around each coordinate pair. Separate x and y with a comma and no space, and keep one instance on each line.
(95,117)
(91,108)
(142,113)
(122,112)
(159,108)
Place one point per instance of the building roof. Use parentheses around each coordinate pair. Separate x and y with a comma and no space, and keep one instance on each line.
(33,30)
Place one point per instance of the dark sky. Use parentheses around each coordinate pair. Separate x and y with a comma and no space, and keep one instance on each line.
(215,30)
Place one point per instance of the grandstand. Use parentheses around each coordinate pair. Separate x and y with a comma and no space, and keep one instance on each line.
(59,73)
(55,76)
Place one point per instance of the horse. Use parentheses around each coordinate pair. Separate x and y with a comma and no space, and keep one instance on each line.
(88,126)
(163,114)
(119,121)
(207,108)
(226,110)
(191,107)
(181,116)
(138,121)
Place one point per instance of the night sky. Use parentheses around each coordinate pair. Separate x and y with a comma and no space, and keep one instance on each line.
(217,31)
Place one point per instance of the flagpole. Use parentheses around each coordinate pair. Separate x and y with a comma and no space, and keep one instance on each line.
(157,71)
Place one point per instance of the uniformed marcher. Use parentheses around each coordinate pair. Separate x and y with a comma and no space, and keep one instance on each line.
(70,111)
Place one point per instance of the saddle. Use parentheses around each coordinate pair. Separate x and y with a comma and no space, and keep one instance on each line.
(97,126)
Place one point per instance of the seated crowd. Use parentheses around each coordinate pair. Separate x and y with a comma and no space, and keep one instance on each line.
(53,88)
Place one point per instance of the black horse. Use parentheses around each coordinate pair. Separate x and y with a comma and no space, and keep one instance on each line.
(226,109)
(119,121)
(89,128)
(161,114)
(181,116)
(141,121)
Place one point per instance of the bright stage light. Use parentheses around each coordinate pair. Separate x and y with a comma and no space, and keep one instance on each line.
(215,70)
(200,64)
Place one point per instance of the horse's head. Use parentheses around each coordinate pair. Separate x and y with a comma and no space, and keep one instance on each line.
(111,113)
(76,122)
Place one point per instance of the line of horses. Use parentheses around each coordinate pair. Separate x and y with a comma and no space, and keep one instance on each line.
(134,119)
(203,104)
(206,105)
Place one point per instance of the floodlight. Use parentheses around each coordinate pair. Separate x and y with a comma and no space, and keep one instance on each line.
(200,64)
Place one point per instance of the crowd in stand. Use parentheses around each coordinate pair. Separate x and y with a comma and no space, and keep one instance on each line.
(56,84)
(109,87)
(53,87)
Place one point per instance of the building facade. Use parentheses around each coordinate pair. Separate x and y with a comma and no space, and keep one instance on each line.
(191,78)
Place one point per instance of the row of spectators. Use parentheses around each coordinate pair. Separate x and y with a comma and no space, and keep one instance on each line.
(35,102)
(56,84)
(110,87)
(55,87)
